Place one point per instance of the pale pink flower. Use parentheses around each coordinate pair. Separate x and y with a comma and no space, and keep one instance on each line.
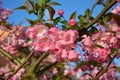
(113,26)
(73,55)
(36,31)
(117,35)
(64,54)
(102,54)
(116,10)
(55,71)
(66,72)
(87,41)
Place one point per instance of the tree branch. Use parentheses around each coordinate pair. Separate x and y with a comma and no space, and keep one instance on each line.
(10,57)
(25,61)
(101,14)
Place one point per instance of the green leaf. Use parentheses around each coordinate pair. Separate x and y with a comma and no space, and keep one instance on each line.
(26,4)
(37,6)
(87,13)
(64,22)
(12,69)
(44,2)
(31,21)
(51,12)
(116,17)
(98,45)
(82,19)
(21,7)
(63,27)
(30,11)
(94,30)
(94,63)
(113,51)
(107,17)
(31,2)
(100,2)
(73,15)
(118,68)
(54,3)
(56,20)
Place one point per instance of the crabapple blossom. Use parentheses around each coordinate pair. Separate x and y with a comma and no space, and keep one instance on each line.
(15,40)
(36,31)
(54,50)
(55,41)
(4,14)
(116,10)
(73,55)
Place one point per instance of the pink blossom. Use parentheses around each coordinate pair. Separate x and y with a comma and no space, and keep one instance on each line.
(102,54)
(66,72)
(117,35)
(116,10)
(4,14)
(73,55)
(64,54)
(87,41)
(72,22)
(44,77)
(60,12)
(118,0)
(55,71)
(36,31)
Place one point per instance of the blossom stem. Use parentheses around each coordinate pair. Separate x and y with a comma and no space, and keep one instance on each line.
(101,14)
(25,61)
(35,65)
(47,67)
(10,57)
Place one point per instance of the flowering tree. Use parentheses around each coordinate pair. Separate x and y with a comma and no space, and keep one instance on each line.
(46,49)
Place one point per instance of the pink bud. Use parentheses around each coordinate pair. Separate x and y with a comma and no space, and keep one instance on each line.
(60,12)
(72,22)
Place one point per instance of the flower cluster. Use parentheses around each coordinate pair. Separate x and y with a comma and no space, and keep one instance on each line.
(4,14)
(53,40)
(13,39)
(7,70)
(116,10)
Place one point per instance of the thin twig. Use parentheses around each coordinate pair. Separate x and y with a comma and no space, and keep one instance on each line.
(35,65)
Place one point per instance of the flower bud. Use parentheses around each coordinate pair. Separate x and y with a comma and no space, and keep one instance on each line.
(72,22)
(60,12)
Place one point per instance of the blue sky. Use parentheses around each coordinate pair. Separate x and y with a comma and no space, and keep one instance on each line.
(68,6)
